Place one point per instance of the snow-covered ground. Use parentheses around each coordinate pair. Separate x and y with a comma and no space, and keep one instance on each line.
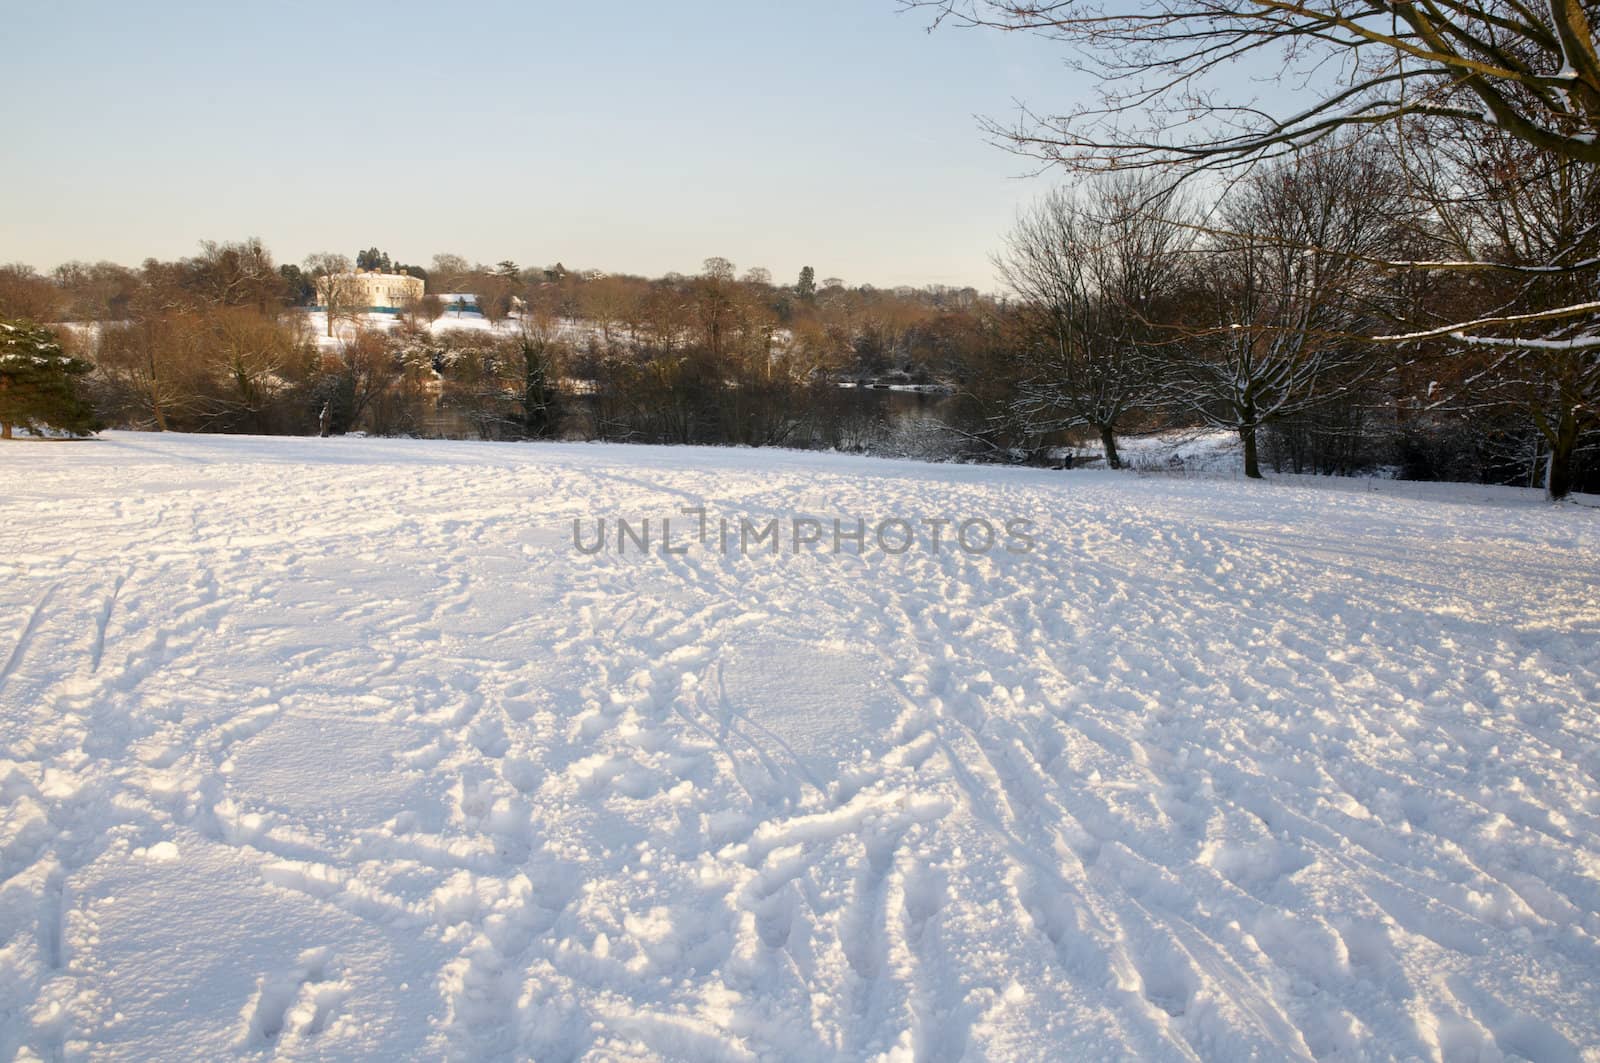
(1204,452)
(571,329)
(338,748)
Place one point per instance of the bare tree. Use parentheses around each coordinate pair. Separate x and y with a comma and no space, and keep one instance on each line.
(1495,200)
(496,293)
(27,296)
(365,366)
(153,368)
(337,289)
(239,274)
(1094,272)
(609,300)
(421,311)
(1285,294)
(714,292)
(253,356)
(1527,69)
(447,272)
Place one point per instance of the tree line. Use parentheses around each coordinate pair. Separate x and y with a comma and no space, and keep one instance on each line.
(1129,309)
(1411,236)
(221,341)
(1401,274)
(1274,313)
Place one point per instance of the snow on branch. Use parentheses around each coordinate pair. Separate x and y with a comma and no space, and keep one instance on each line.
(1458,330)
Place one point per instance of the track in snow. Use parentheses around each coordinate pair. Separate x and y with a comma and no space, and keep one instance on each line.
(338,748)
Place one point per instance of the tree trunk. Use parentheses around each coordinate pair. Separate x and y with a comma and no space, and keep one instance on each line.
(154,388)
(1252,465)
(5,430)
(1563,443)
(1108,441)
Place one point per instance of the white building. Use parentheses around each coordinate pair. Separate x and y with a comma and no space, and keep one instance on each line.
(369,290)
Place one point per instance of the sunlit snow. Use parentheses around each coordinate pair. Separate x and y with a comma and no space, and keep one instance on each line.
(338,748)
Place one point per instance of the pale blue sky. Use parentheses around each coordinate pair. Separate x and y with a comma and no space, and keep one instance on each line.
(629,136)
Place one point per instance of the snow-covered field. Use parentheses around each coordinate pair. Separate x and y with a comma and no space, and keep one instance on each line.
(338,748)
(570,329)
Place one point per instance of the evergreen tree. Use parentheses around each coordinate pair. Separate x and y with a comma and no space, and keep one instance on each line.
(374,260)
(807,286)
(38,384)
(298,288)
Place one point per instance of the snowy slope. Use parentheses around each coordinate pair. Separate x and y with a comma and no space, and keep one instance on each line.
(338,749)
(571,329)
